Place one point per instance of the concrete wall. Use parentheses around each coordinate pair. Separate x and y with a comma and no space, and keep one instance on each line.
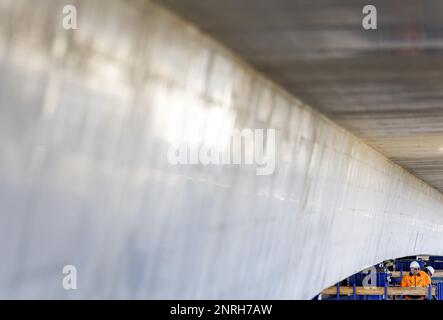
(86,120)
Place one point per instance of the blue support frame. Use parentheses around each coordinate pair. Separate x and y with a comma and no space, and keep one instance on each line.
(401,277)
(354,287)
(338,290)
(440,291)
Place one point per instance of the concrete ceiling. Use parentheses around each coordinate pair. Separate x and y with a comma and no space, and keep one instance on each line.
(385,85)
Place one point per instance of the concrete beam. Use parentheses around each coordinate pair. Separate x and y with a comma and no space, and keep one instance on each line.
(87,118)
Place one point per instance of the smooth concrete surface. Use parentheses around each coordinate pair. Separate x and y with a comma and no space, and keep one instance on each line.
(384,85)
(87,118)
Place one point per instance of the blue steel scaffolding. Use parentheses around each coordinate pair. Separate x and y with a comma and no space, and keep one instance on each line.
(388,279)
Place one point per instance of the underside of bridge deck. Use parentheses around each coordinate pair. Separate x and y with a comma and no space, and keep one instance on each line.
(385,85)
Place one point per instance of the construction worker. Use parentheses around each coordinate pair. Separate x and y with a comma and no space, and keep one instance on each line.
(430,271)
(415,278)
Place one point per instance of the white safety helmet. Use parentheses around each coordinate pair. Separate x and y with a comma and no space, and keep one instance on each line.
(414,264)
(431,270)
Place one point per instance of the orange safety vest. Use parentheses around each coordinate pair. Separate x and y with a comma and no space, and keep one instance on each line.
(422,279)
